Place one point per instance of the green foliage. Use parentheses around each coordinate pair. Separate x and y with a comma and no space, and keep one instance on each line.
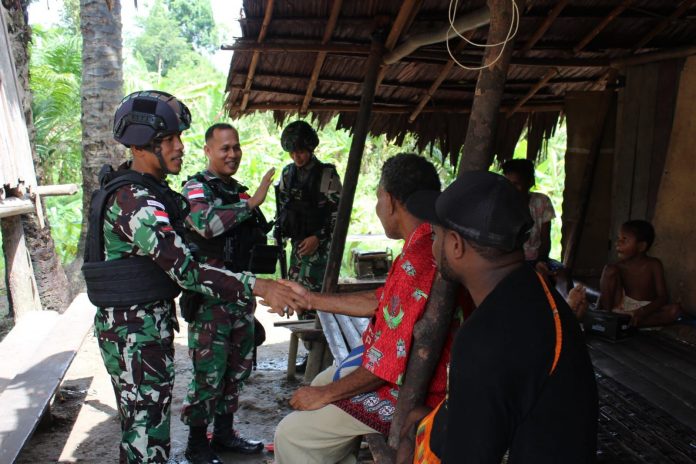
(70,16)
(55,83)
(195,18)
(65,216)
(161,45)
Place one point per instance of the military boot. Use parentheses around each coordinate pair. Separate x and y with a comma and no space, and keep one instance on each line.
(226,439)
(198,449)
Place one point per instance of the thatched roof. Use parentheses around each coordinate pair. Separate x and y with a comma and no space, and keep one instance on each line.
(561,46)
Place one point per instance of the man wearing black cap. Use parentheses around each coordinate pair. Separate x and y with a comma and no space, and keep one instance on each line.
(520,377)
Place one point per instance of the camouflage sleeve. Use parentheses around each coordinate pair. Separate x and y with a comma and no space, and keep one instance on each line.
(209,217)
(330,195)
(139,218)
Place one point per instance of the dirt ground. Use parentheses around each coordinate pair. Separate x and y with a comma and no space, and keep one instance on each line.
(85,427)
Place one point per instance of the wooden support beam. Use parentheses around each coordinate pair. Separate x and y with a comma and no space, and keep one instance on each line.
(350,180)
(321,56)
(588,178)
(403,19)
(419,86)
(257,54)
(662,55)
(602,25)
(541,30)
(294,47)
(552,106)
(22,290)
(56,190)
(426,56)
(429,335)
(478,146)
(550,74)
(13,206)
(444,72)
(662,25)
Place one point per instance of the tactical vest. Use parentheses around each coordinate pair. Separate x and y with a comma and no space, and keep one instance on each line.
(243,247)
(301,216)
(133,280)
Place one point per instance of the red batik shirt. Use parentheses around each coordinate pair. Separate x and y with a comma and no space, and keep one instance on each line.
(387,339)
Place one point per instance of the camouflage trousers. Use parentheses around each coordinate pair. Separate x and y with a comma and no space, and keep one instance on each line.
(221,346)
(138,352)
(309,270)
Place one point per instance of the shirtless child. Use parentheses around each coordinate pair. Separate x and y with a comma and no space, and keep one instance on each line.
(635,285)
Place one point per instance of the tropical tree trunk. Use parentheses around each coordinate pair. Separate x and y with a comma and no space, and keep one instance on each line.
(51,281)
(102,90)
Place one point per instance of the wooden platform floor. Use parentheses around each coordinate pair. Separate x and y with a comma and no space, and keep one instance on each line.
(647,394)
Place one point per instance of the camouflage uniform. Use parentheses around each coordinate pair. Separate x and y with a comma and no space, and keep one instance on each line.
(309,270)
(136,342)
(221,338)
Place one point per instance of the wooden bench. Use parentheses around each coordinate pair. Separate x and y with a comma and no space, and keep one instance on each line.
(35,356)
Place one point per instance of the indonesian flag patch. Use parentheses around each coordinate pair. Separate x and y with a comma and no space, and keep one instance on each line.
(195,193)
(162,217)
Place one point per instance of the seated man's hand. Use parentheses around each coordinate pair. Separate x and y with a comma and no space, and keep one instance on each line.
(308,399)
(577,300)
(280,298)
(308,246)
(301,291)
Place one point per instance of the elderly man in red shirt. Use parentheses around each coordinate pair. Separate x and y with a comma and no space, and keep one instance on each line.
(338,408)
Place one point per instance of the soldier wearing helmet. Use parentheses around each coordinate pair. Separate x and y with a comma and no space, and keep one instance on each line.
(309,193)
(137,262)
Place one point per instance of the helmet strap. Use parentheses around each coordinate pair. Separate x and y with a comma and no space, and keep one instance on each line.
(157,151)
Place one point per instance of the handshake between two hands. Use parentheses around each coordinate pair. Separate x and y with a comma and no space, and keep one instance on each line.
(284,297)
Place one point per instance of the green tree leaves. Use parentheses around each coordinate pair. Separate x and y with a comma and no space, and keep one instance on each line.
(195,18)
(161,45)
(55,83)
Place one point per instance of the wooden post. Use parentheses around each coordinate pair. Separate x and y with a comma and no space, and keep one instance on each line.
(478,147)
(350,181)
(22,291)
(586,185)
(429,335)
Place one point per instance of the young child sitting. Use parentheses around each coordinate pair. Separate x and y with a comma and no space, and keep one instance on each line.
(635,285)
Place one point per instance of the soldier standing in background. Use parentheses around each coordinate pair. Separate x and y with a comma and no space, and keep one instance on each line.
(136,263)
(225,223)
(309,194)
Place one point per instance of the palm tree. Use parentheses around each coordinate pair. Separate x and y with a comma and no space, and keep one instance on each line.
(48,271)
(101,92)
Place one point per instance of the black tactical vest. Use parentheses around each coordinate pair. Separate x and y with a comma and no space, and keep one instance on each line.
(134,280)
(243,247)
(301,215)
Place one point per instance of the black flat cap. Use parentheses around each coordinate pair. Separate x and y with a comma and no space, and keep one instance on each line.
(481,206)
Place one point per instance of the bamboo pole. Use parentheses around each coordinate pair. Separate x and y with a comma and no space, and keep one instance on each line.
(350,181)
(321,56)
(257,53)
(56,190)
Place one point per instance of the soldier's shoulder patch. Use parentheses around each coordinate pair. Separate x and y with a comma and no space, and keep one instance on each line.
(156,204)
(195,193)
(162,216)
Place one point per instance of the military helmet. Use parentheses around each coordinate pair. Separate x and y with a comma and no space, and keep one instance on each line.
(144,116)
(299,135)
